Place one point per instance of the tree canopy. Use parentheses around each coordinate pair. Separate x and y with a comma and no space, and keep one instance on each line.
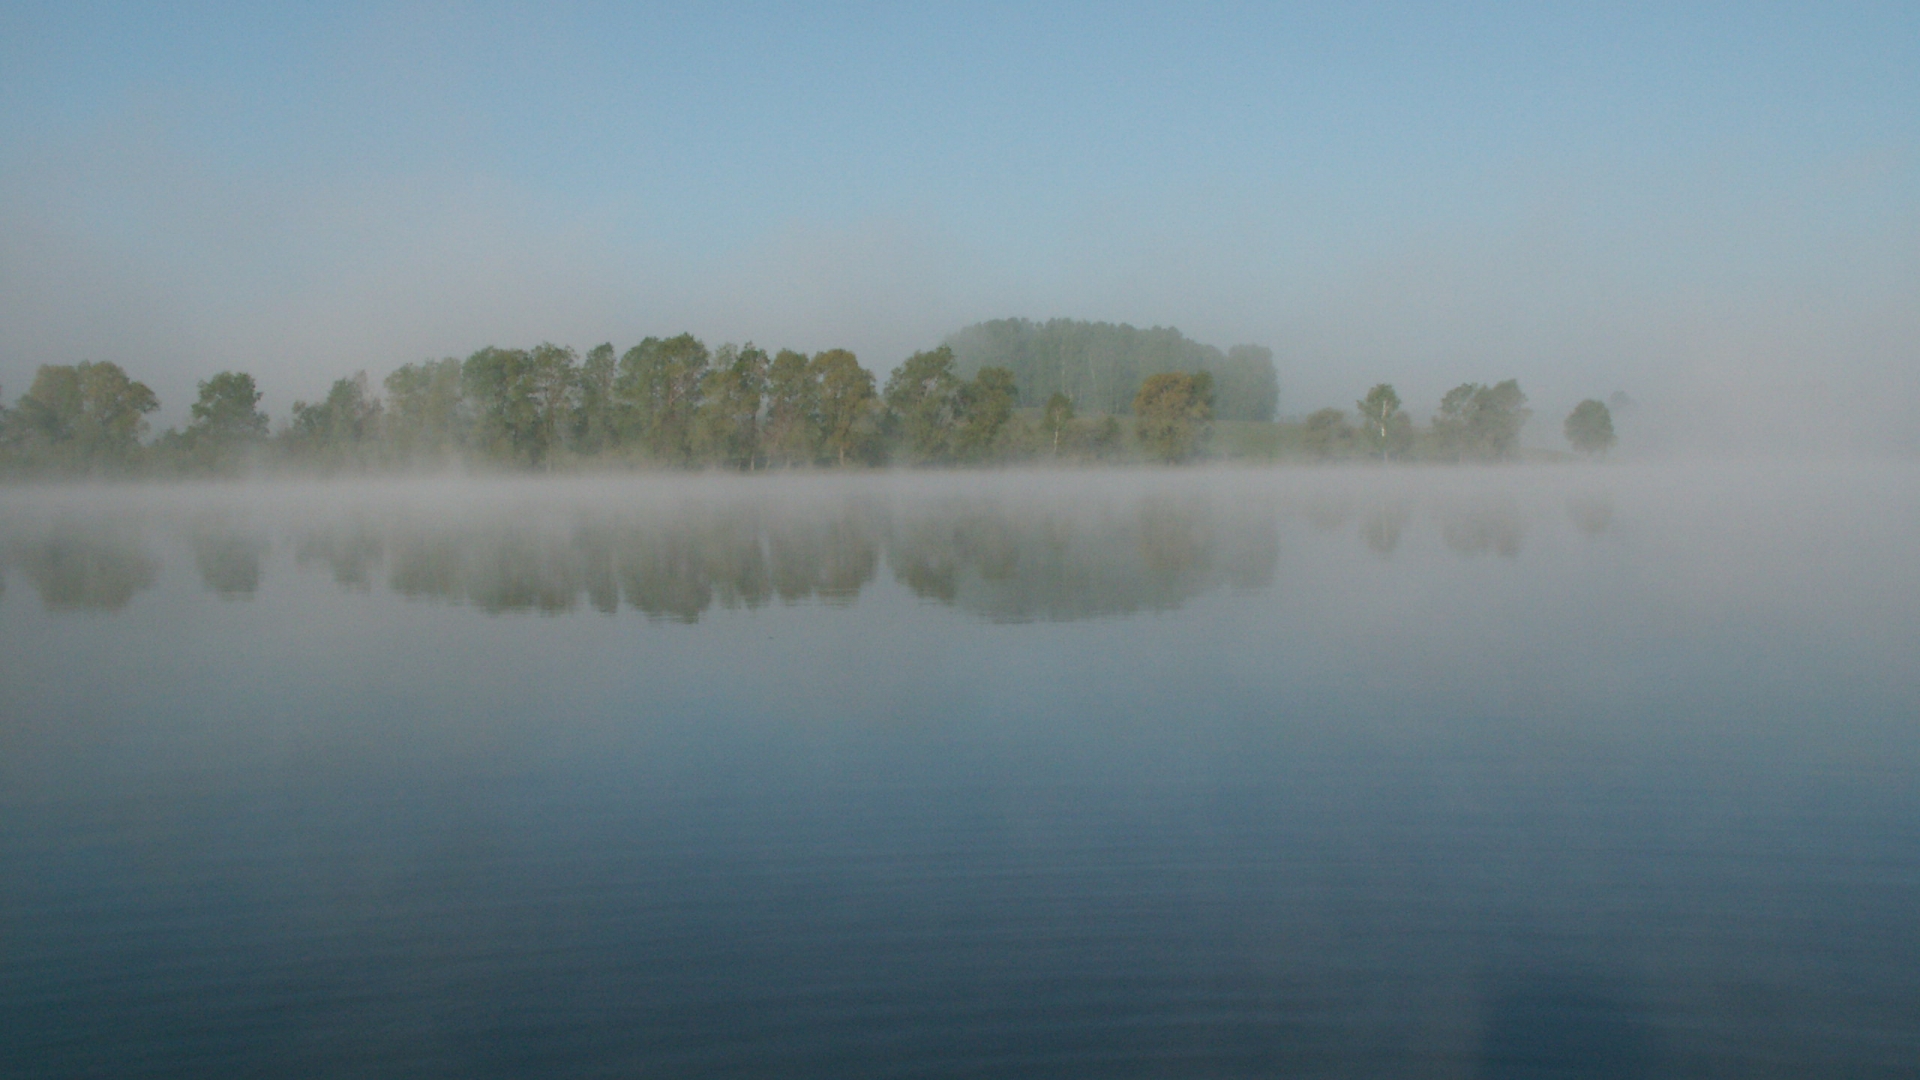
(1589,427)
(1101,366)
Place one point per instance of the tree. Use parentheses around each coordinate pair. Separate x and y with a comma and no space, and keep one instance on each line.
(923,398)
(228,411)
(553,374)
(86,415)
(1481,422)
(1170,413)
(1057,418)
(1327,434)
(594,429)
(424,403)
(1589,427)
(1101,365)
(336,427)
(848,404)
(986,404)
(659,393)
(1378,411)
(791,430)
(727,427)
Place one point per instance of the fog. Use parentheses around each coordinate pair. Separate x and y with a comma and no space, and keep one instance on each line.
(1717,217)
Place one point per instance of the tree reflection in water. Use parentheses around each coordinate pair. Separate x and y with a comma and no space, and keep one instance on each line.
(1008,554)
(75,566)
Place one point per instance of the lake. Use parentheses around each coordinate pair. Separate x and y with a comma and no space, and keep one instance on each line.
(1607,771)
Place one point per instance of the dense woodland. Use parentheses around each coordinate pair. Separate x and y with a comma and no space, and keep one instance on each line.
(1059,391)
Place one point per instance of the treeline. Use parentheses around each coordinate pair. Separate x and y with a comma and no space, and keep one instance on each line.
(666,401)
(672,402)
(1101,366)
(1474,422)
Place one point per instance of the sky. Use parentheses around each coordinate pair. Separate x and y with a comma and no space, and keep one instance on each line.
(1714,208)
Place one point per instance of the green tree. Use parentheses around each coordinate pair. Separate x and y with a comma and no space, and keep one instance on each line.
(1328,435)
(1101,365)
(1380,412)
(848,405)
(87,416)
(228,411)
(499,383)
(924,406)
(1481,422)
(791,431)
(424,408)
(553,374)
(336,430)
(1589,427)
(1057,418)
(727,426)
(658,389)
(594,428)
(986,404)
(1170,413)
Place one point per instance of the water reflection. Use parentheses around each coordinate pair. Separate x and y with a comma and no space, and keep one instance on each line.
(1479,524)
(1007,562)
(1021,564)
(98,566)
(1383,526)
(227,556)
(1007,555)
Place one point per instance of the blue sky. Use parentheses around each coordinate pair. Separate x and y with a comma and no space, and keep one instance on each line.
(1694,203)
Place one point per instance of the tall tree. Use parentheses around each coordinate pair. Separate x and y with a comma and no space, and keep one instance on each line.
(1589,427)
(848,405)
(228,411)
(553,373)
(1057,418)
(792,427)
(1481,422)
(89,415)
(500,384)
(986,404)
(659,391)
(1378,411)
(1171,412)
(727,427)
(424,408)
(335,430)
(924,404)
(595,428)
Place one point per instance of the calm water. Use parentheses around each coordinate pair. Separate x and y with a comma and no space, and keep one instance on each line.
(1455,774)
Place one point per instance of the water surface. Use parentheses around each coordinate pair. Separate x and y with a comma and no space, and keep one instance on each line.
(1576,772)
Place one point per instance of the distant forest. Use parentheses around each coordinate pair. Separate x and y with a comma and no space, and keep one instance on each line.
(1100,366)
(997,392)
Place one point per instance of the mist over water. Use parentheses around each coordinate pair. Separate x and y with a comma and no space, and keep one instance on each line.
(1427,772)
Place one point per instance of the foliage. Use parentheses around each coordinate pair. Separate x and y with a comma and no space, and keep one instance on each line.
(1481,422)
(923,404)
(658,391)
(1171,412)
(849,408)
(791,429)
(424,409)
(1328,435)
(83,417)
(1589,427)
(1100,366)
(1387,428)
(335,431)
(727,421)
